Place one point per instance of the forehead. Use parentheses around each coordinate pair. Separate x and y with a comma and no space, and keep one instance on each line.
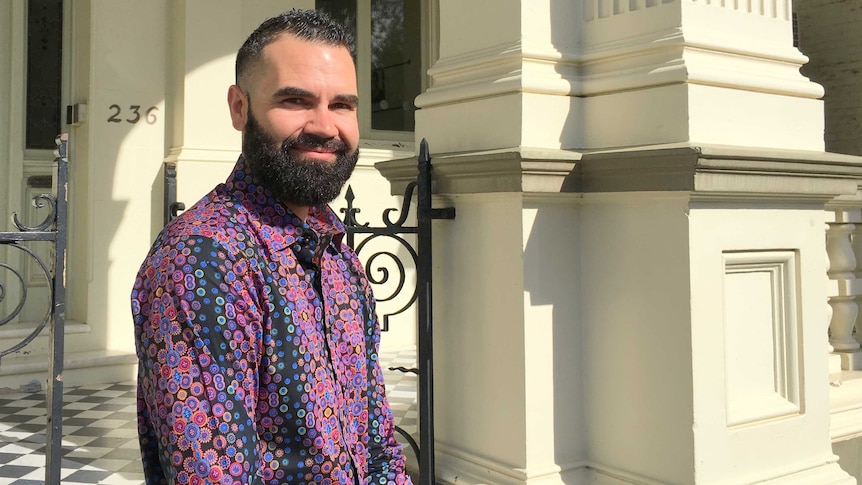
(314,66)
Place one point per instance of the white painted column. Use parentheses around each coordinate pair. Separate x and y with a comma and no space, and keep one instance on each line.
(683,150)
(717,346)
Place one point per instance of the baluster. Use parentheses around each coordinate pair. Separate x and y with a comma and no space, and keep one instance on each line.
(842,259)
(844,313)
(842,267)
(856,242)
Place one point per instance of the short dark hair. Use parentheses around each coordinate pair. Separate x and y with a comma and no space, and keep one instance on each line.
(308,25)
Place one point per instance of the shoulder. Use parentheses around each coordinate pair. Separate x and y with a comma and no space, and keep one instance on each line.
(213,233)
(217,219)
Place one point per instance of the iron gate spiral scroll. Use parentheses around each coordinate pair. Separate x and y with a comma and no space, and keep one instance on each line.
(53,229)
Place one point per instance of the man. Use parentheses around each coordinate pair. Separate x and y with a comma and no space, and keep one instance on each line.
(254,322)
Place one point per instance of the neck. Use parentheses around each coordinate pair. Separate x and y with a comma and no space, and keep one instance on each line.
(298,210)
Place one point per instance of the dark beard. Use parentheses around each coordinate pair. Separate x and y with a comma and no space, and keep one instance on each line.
(301,182)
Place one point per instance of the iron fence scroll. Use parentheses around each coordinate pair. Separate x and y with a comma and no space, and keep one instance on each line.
(54,230)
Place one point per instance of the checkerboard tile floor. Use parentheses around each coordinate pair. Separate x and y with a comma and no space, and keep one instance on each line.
(100,443)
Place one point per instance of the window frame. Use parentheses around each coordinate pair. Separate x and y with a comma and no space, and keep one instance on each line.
(428,55)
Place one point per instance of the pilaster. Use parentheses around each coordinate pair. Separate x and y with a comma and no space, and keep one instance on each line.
(122,142)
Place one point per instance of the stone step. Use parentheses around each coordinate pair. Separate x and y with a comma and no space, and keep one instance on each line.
(79,368)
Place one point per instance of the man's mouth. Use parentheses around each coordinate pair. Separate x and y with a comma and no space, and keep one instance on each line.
(316,153)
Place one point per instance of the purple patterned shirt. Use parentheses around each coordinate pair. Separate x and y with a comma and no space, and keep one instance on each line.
(257,343)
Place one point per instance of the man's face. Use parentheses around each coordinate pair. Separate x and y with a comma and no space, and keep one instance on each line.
(293,179)
(299,124)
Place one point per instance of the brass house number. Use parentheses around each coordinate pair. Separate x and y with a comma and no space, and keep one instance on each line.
(133,114)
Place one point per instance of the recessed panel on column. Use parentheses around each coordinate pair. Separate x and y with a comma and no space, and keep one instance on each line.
(761,335)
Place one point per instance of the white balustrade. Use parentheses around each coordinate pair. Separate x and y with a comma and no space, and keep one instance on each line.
(844,251)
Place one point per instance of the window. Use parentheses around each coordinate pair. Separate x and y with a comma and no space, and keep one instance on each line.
(44,69)
(389,59)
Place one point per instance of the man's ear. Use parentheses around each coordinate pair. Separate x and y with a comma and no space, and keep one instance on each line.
(237,102)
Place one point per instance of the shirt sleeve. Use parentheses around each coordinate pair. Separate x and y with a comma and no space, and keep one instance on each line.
(198,336)
(386,463)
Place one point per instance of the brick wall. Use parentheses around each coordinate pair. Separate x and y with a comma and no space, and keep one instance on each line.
(830,34)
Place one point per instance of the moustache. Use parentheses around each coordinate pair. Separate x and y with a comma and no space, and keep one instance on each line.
(306,140)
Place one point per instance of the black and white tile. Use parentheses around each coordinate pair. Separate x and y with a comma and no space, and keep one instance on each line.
(100,443)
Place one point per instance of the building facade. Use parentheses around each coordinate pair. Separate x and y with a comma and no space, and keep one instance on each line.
(652,276)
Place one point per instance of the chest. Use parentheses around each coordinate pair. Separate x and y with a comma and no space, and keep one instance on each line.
(317,316)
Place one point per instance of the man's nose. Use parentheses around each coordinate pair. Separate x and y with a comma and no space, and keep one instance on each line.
(321,123)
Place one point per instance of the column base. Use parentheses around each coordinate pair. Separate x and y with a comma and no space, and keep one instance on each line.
(459,467)
(467,469)
(79,368)
(828,474)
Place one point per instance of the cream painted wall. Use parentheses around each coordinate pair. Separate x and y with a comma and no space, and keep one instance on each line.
(507,341)
(637,336)
(462,18)
(553,336)
(479,334)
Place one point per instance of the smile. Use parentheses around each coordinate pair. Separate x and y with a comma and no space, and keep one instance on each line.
(314,152)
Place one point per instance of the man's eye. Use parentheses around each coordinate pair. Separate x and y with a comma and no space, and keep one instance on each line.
(343,106)
(294,101)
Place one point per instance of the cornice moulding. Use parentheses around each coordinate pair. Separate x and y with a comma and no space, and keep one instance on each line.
(517,169)
(716,171)
(637,62)
(705,171)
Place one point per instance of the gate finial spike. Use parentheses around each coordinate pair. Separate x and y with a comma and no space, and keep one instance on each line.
(424,152)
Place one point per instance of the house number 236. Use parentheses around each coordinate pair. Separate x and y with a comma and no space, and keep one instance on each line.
(133,114)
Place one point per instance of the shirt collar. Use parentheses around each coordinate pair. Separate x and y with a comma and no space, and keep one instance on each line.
(279,227)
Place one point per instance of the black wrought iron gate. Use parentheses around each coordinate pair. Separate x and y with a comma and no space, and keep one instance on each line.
(53,229)
(422,259)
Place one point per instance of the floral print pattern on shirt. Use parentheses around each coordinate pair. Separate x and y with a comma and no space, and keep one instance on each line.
(257,344)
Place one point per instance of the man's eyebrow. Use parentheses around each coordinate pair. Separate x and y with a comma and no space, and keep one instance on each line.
(350,99)
(293,91)
(288,91)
